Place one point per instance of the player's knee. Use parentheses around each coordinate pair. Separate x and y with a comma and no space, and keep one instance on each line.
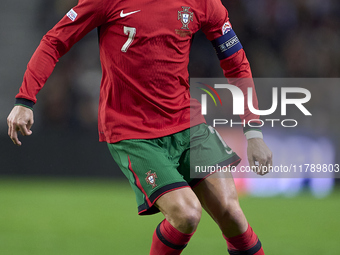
(233,213)
(189,219)
(231,210)
(186,217)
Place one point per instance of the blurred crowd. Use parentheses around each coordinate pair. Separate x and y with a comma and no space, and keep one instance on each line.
(282,38)
(293,38)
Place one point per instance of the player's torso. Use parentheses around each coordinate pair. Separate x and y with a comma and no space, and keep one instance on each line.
(157,28)
(144,48)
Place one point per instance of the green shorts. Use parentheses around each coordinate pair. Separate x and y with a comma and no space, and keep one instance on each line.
(157,166)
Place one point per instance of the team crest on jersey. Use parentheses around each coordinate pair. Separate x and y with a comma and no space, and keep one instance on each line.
(151,178)
(185,16)
(226,28)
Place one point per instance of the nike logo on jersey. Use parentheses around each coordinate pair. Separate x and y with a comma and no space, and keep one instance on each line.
(122,14)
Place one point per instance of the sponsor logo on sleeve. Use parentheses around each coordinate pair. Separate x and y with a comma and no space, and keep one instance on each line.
(72,15)
(226,28)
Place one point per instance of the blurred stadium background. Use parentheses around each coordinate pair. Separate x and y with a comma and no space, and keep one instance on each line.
(61,192)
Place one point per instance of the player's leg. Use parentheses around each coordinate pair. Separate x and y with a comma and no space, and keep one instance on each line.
(151,167)
(218,196)
(217,193)
(182,211)
(181,208)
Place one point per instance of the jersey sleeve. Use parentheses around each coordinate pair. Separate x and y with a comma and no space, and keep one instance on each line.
(80,20)
(233,60)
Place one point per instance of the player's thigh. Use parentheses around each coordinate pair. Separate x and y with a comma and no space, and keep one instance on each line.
(217,194)
(149,169)
(207,154)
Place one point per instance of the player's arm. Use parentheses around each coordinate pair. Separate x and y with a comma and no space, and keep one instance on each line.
(80,20)
(237,70)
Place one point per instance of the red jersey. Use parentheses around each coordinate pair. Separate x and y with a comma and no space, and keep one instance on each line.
(144,52)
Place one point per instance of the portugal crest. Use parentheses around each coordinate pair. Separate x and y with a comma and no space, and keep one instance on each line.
(185,17)
(151,178)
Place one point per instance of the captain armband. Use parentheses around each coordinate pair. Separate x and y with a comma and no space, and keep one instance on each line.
(227,45)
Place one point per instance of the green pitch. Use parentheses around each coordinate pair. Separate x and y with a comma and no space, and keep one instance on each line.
(83,217)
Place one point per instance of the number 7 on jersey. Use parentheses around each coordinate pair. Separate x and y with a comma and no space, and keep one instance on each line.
(130,32)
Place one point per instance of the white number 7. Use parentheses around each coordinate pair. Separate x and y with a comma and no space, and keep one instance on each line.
(130,31)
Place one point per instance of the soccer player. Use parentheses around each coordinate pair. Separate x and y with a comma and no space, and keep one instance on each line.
(144,110)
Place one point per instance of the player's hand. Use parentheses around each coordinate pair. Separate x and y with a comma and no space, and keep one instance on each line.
(259,152)
(20,119)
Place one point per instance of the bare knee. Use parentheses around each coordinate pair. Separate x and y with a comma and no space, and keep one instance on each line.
(220,199)
(232,212)
(185,218)
(182,209)
(231,219)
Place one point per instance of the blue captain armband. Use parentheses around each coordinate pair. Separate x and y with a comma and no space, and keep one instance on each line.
(227,45)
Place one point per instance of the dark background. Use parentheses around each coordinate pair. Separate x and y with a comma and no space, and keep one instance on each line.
(281,38)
